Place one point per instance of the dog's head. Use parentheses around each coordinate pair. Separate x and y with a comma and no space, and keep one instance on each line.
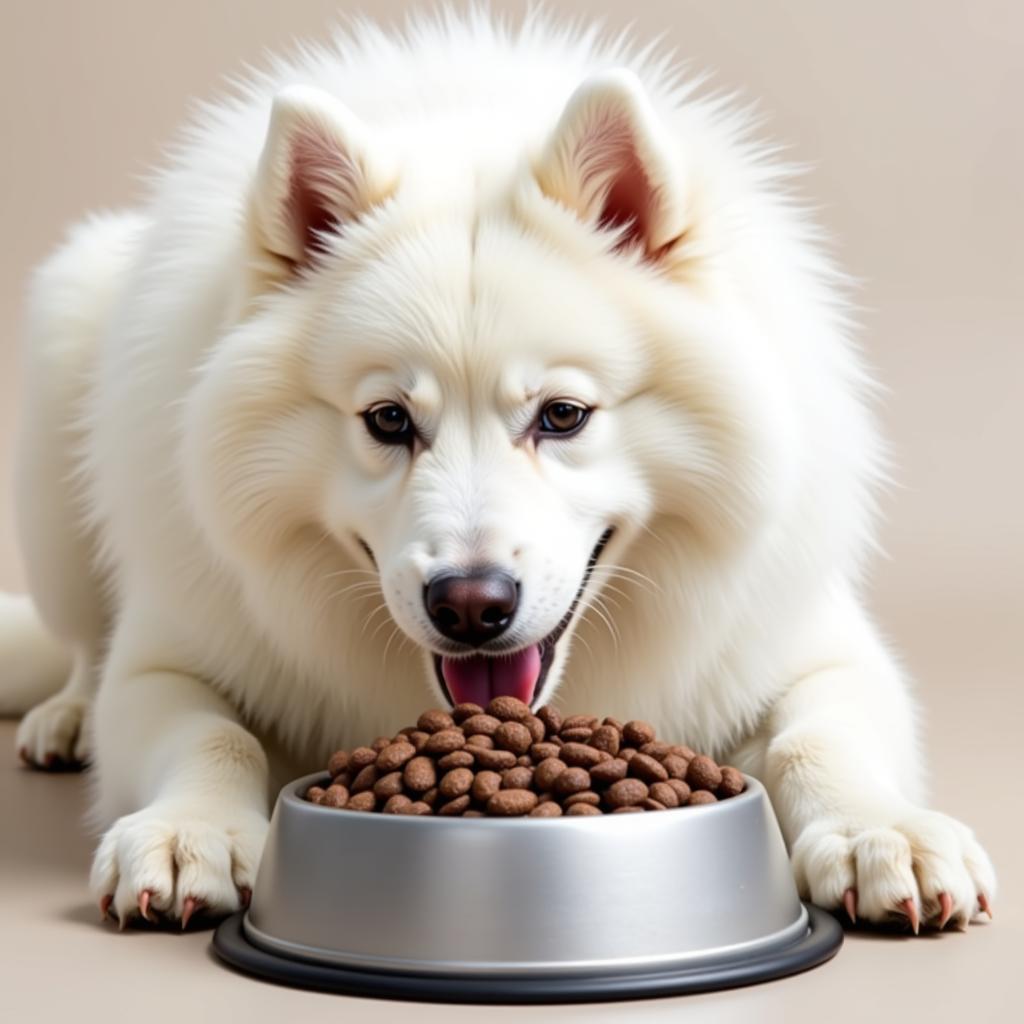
(477,377)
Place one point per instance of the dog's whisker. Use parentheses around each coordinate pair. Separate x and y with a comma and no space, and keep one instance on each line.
(346,572)
(384,659)
(381,625)
(369,618)
(604,618)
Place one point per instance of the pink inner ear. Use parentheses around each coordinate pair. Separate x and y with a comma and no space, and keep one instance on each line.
(629,202)
(321,179)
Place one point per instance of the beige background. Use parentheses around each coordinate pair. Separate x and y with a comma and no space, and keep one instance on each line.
(909,116)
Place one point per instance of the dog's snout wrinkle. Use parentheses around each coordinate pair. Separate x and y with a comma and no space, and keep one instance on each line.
(473,608)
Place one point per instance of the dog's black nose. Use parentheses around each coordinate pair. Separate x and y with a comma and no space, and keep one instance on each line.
(474,608)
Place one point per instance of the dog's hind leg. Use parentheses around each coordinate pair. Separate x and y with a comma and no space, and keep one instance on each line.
(50,646)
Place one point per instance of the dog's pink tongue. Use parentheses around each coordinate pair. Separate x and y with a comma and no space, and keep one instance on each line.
(477,679)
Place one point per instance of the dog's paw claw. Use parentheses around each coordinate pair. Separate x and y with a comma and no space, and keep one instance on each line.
(908,908)
(945,909)
(144,898)
(986,906)
(850,904)
(189,907)
(245,896)
(105,906)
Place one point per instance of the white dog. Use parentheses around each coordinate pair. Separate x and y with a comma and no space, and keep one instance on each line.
(433,368)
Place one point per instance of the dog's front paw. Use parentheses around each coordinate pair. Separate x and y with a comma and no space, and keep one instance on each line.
(921,866)
(51,734)
(171,862)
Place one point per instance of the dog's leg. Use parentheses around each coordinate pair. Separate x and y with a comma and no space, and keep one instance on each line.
(842,769)
(58,642)
(173,753)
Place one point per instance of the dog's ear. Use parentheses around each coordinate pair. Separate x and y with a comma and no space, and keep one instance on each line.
(610,160)
(317,172)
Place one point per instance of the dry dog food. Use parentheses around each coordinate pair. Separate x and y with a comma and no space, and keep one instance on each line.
(504,761)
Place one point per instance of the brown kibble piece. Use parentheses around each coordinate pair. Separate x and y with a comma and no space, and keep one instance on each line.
(629,809)
(463,711)
(395,803)
(524,761)
(336,796)
(365,779)
(606,738)
(508,803)
(380,743)
(418,739)
(456,759)
(547,809)
(364,801)
(625,793)
(547,771)
(637,732)
(473,813)
(664,794)
(517,778)
(577,810)
(643,766)
(702,796)
(572,780)
(732,783)
(495,760)
(416,807)
(513,736)
(703,773)
(552,719)
(539,751)
(683,751)
(480,725)
(580,755)
(430,797)
(536,727)
(435,720)
(338,762)
(455,783)
(361,757)
(675,765)
(388,785)
(588,796)
(420,774)
(315,794)
(479,740)
(579,722)
(655,749)
(444,742)
(652,805)
(580,734)
(682,790)
(627,753)
(614,723)
(610,771)
(394,755)
(485,785)
(508,709)
(455,806)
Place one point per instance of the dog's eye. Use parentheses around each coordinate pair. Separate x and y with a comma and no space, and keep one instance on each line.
(562,417)
(389,423)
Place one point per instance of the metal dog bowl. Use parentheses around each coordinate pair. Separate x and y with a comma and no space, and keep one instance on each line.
(525,910)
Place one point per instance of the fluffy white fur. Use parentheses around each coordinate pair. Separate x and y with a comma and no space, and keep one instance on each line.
(511,217)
